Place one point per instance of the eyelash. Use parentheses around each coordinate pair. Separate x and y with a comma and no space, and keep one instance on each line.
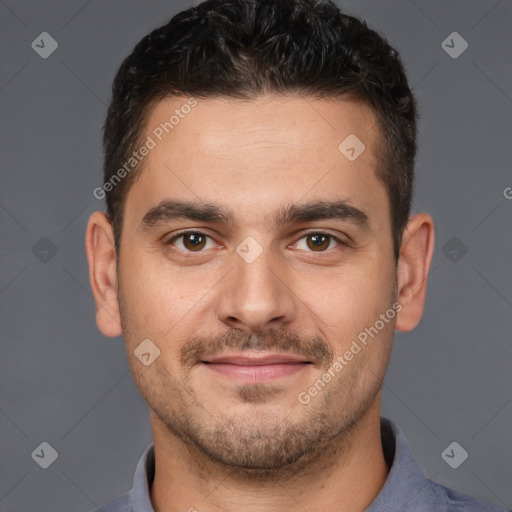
(183,233)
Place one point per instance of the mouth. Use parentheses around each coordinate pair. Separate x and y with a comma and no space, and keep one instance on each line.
(255,367)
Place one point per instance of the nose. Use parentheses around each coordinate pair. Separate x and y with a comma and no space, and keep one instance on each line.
(257,295)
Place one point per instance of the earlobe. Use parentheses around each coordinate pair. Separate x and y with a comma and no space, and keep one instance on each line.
(101,257)
(413,266)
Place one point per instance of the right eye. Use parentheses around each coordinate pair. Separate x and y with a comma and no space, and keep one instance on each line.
(191,241)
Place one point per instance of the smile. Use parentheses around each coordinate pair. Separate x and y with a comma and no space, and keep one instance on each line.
(255,368)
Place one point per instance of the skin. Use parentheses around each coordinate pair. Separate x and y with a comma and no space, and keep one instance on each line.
(221,444)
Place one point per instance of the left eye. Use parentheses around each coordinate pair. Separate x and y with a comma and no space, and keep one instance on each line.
(319,242)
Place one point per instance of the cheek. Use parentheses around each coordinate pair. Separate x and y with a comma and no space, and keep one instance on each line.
(349,301)
(144,297)
(161,300)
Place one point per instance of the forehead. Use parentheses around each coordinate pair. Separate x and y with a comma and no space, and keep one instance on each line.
(257,155)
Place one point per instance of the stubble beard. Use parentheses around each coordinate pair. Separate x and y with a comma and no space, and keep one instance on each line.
(265,447)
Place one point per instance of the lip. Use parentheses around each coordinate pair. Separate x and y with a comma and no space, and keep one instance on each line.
(254,367)
(254,358)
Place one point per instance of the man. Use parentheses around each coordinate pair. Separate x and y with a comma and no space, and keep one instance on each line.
(257,255)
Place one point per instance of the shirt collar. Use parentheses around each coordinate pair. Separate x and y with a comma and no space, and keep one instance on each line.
(142,481)
(404,485)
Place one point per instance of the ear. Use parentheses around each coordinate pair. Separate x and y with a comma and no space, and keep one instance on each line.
(416,253)
(101,256)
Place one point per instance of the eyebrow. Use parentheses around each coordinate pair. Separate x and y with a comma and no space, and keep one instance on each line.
(169,210)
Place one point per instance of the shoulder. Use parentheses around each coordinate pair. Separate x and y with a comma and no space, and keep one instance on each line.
(407,487)
(119,504)
(455,501)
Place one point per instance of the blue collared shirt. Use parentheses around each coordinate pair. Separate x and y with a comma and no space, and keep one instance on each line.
(406,488)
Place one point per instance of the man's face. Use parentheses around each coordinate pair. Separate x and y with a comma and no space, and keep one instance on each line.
(258,284)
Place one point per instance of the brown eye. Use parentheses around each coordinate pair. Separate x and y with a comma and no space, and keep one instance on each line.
(318,241)
(194,241)
(190,241)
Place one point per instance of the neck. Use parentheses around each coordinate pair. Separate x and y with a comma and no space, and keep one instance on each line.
(346,476)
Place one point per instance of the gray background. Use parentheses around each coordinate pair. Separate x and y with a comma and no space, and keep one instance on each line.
(63,382)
